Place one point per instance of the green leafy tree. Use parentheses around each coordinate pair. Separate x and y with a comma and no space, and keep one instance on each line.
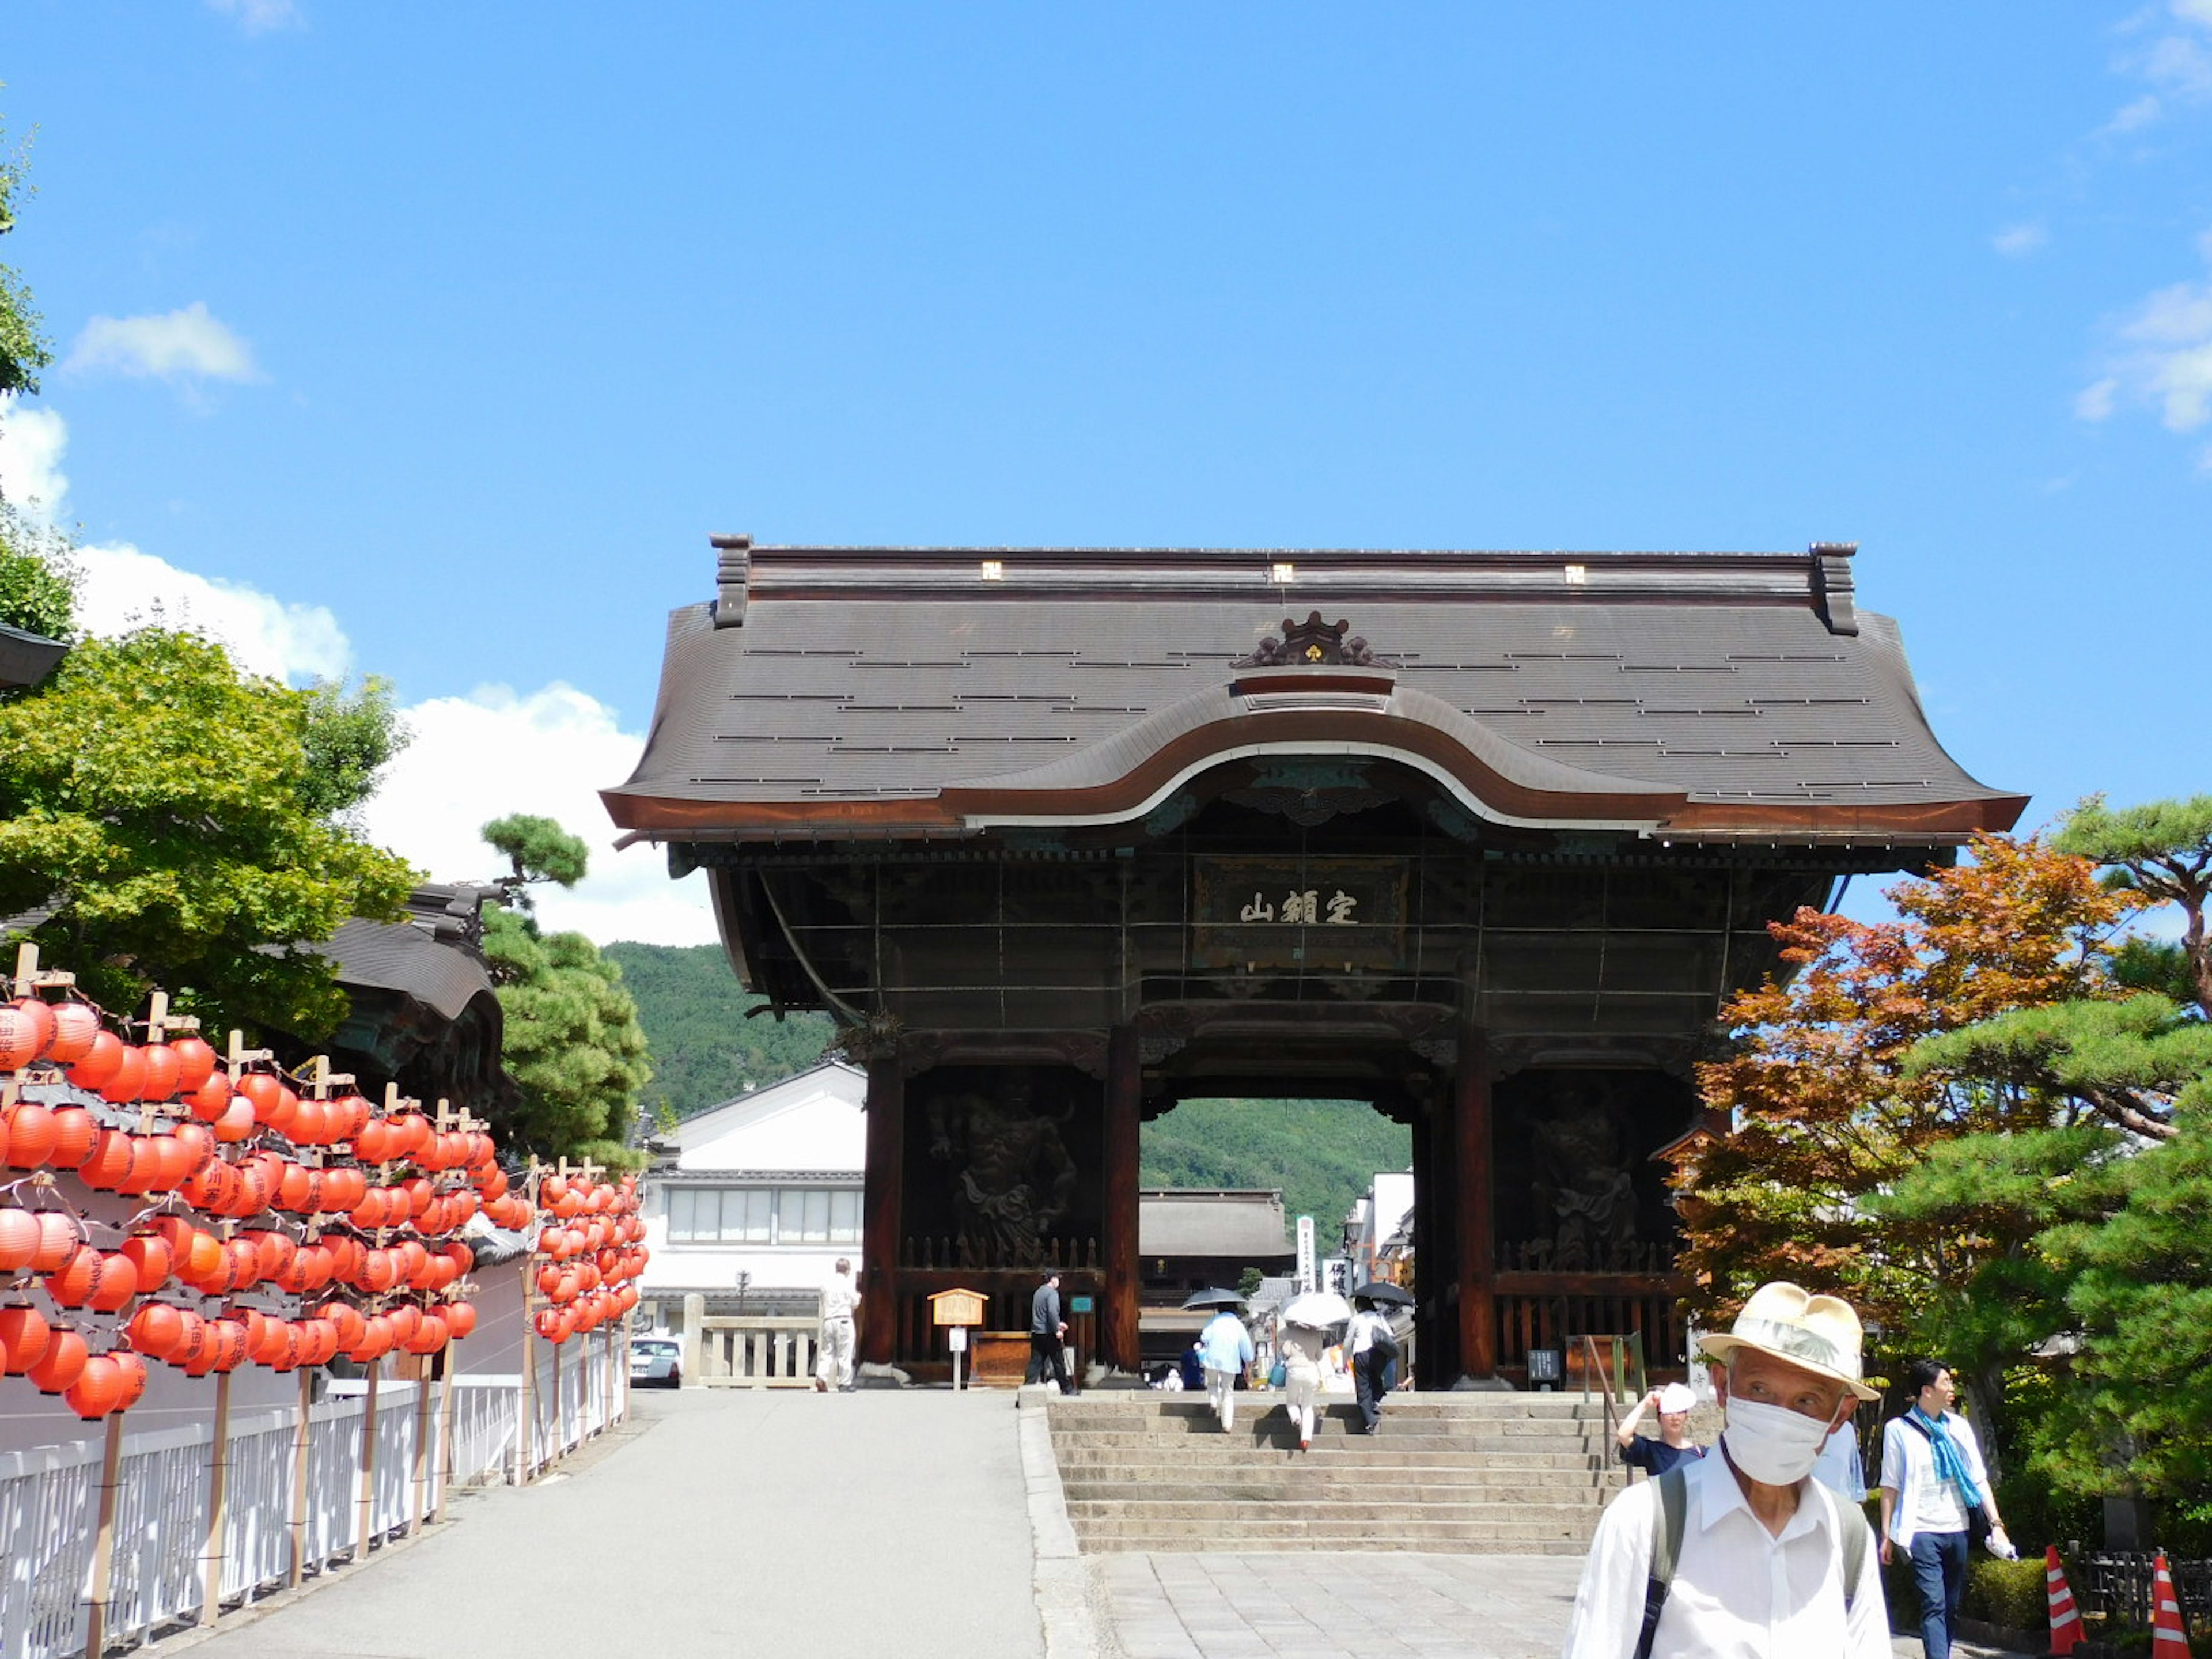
(2106,1221)
(539,850)
(37,579)
(351,737)
(162,813)
(23,347)
(572,1042)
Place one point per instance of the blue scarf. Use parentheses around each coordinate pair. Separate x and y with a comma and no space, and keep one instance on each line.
(1949,1466)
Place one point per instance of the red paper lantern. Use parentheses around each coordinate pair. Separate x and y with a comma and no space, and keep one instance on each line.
(76,1027)
(24,1336)
(61,1364)
(99,1063)
(97,1389)
(165,1069)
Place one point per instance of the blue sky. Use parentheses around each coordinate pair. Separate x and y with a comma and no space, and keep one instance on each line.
(443,338)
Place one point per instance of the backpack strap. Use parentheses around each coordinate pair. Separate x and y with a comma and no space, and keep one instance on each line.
(1666,1549)
(1852,1526)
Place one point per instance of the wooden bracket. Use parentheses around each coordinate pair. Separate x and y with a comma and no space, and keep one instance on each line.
(321,1080)
(159,1022)
(28,976)
(240,1056)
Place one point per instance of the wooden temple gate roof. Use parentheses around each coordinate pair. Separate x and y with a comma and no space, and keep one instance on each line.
(873,694)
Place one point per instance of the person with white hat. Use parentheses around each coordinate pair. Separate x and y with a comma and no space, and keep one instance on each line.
(1673,1445)
(1743,1553)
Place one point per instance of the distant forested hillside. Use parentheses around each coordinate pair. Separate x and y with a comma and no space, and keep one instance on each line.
(705,1051)
(1322,1153)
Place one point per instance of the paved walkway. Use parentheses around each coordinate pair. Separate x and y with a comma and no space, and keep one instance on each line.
(722,1524)
(880,1525)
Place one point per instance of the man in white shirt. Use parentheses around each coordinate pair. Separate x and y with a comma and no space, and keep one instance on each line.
(1931,1474)
(834,1366)
(1767,1563)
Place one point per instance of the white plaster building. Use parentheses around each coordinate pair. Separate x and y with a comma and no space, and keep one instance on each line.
(1379,1225)
(761,1199)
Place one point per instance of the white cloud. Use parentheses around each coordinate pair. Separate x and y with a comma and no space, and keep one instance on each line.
(2163,357)
(259,17)
(549,751)
(124,587)
(2177,62)
(189,345)
(31,445)
(2017,242)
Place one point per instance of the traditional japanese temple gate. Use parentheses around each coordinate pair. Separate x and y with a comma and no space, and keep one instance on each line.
(1065,837)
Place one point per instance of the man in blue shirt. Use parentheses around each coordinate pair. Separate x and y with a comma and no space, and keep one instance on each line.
(1226,1347)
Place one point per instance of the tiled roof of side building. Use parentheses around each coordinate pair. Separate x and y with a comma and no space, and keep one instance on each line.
(865,692)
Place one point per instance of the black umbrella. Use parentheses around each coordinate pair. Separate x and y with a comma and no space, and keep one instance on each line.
(1388,1295)
(1214,1298)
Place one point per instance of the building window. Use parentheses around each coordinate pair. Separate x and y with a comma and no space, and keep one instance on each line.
(763,1215)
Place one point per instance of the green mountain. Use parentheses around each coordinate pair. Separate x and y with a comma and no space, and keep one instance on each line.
(705,1050)
(1322,1153)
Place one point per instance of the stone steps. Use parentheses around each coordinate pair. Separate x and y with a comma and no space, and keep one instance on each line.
(1502,1472)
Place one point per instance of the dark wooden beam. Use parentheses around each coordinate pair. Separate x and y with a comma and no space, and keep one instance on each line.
(1124,1112)
(880,1210)
(1475,1221)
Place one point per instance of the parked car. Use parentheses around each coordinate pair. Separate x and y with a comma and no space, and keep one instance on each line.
(656,1359)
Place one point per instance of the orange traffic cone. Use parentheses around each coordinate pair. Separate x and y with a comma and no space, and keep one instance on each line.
(2065,1617)
(2168,1638)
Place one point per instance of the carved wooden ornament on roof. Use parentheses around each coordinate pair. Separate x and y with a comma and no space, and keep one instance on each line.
(1312,643)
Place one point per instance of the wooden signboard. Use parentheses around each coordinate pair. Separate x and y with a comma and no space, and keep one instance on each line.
(957,1307)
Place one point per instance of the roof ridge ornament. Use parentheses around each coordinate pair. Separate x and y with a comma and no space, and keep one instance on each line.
(1832,585)
(734,563)
(1313,643)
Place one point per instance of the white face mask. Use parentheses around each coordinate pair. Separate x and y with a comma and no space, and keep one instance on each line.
(1772,1443)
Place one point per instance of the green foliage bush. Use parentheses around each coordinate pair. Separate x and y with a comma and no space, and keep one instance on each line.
(2009,1593)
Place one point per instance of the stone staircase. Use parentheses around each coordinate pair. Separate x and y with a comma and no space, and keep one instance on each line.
(1475,1473)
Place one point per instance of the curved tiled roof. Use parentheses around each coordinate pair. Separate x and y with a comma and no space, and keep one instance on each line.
(844,693)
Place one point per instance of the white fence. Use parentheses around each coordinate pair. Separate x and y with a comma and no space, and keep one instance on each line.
(290,1505)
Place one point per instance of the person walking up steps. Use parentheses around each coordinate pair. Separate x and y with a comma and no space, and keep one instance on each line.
(1226,1346)
(1302,1347)
(1369,1348)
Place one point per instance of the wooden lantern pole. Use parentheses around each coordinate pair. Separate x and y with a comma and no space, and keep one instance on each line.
(103,1556)
(368,1467)
(302,1438)
(218,1481)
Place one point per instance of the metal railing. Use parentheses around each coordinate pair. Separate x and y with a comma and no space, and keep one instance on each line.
(1627,1365)
(81,1576)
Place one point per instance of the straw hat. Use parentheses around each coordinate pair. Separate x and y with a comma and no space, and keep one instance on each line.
(1818,1334)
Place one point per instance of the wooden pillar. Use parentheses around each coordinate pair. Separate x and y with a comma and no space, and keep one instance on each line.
(1475,1234)
(103,1546)
(365,1520)
(1436,1355)
(218,1482)
(302,1442)
(1124,1113)
(881,1219)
